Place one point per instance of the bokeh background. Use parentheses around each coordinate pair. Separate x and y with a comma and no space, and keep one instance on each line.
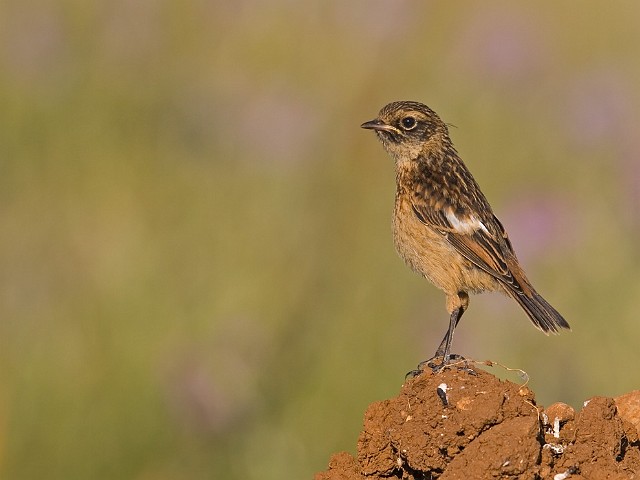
(197,277)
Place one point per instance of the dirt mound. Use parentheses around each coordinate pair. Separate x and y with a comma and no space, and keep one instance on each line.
(458,425)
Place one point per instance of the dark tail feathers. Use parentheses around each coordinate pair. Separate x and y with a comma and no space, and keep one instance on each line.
(543,315)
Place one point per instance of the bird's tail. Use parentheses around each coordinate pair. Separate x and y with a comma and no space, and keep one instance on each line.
(541,313)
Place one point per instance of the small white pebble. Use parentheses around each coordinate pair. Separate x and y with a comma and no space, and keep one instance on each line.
(556,427)
(586,402)
(545,419)
(442,393)
(556,448)
(561,476)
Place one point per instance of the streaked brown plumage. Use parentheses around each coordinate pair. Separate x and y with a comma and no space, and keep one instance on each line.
(444,227)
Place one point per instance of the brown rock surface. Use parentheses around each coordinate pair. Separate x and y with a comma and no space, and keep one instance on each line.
(629,408)
(455,425)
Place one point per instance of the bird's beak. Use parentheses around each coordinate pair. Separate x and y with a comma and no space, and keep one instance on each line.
(379,125)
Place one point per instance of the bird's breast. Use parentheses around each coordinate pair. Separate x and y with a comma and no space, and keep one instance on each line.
(428,252)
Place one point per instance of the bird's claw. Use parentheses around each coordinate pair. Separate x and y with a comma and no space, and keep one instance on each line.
(453,360)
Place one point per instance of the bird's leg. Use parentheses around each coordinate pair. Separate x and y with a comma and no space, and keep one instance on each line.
(457,304)
(444,350)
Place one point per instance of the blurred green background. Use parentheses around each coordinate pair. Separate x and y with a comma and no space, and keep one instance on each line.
(197,274)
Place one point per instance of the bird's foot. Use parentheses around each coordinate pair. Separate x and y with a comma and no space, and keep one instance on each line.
(453,360)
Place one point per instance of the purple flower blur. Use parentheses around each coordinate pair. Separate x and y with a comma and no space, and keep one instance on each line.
(501,45)
(541,225)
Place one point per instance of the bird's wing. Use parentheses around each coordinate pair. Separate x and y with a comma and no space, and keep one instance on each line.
(479,237)
(481,240)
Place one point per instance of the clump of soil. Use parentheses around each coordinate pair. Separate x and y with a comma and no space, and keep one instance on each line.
(472,425)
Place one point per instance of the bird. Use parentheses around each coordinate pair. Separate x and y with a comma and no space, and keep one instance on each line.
(443,225)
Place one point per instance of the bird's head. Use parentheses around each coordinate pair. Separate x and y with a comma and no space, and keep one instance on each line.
(407,128)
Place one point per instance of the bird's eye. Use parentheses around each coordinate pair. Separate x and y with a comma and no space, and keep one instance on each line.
(409,123)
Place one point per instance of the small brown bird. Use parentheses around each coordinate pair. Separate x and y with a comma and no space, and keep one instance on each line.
(444,227)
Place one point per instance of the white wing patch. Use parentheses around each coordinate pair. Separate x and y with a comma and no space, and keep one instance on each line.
(466,226)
